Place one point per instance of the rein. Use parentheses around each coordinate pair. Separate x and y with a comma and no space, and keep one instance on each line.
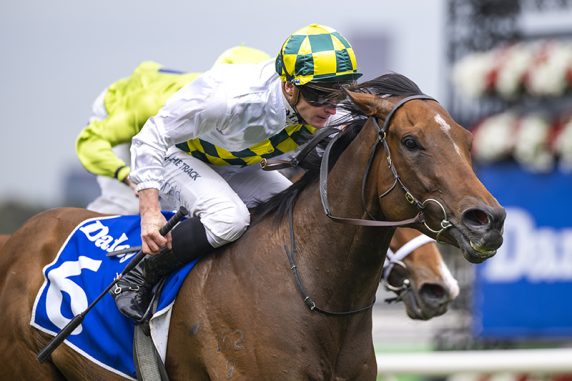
(296,160)
(308,301)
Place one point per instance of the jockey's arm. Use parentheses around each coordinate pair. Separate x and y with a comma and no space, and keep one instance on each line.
(95,142)
(188,114)
(151,221)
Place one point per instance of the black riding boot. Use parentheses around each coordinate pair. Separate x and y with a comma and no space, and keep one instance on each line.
(134,291)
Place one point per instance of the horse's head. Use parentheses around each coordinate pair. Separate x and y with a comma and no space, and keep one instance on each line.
(415,271)
(423,164)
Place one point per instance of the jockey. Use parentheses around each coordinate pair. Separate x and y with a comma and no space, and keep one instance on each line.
(202,149)
(120,112)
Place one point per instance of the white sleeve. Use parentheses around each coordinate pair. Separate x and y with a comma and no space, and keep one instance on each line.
(197,108)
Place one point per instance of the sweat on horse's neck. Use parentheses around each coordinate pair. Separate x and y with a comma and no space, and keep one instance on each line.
(340,263)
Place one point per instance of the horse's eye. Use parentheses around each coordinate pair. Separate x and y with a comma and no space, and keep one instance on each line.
(410,143)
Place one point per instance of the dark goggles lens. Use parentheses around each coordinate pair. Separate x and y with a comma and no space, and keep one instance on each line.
(320,98)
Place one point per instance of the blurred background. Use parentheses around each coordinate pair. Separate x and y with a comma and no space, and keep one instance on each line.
(503,68)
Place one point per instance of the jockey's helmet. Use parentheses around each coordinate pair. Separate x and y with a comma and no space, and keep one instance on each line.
(316,54)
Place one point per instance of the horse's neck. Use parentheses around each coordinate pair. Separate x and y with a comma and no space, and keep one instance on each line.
(342,259)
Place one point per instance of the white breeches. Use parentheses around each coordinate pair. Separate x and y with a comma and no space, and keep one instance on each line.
(219,195)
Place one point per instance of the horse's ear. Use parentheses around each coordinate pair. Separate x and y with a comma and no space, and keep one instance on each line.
(371,105)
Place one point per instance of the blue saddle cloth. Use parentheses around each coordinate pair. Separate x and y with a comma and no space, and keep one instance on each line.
(79,274)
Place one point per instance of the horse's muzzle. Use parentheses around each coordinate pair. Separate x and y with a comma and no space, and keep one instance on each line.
(480,232)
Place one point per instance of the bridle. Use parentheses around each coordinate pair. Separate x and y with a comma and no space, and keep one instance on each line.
(324,168)
(393,260)
(381,138)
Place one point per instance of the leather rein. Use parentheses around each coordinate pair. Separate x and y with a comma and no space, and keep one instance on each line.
(324,168)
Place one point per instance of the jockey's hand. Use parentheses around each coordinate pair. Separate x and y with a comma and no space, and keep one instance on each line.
(151,221)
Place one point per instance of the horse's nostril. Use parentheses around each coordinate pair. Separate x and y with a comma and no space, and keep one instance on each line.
(476,218)
(434,292)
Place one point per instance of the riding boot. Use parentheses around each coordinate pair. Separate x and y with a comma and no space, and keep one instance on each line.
(134,291)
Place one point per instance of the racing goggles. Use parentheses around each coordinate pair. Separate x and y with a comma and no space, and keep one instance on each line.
(322,96)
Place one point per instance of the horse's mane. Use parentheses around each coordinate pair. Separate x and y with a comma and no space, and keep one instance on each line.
(392,84)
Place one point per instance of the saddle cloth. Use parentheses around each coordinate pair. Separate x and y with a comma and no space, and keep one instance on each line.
(79,274)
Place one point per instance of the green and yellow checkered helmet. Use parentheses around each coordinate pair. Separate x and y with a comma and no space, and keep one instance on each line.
(316,53)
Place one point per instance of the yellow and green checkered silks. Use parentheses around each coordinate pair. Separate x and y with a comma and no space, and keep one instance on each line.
(316,53)
(286,140)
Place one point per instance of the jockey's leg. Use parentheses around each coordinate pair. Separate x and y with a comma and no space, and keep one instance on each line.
(219,216)
(134,291)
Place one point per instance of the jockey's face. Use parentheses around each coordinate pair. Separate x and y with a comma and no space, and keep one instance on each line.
(316,116)
(315,113)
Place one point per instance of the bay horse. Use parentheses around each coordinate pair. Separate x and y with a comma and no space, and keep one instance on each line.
(3,239)
(290,300)
(420,279)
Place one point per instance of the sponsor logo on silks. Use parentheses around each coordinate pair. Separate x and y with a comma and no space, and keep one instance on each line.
(531,253)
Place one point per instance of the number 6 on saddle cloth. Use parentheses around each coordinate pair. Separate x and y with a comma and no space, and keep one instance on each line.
(77,320)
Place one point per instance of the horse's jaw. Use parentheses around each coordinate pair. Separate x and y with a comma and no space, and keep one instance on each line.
(475,249)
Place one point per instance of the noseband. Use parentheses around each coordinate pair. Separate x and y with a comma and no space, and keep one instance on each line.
(393,260)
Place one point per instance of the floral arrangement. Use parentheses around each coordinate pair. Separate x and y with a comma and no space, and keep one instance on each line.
(494,137)
(534,141)
(539,69)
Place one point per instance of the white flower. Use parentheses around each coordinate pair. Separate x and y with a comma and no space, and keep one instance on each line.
(531,146)
(470,74)
(538,68)
(548,77)
(515,61)
(494,137)
(563,146)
